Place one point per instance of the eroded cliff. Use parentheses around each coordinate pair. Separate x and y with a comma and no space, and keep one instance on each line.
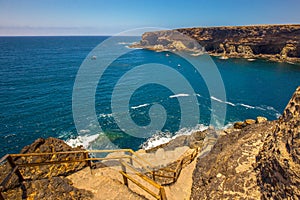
(261,161)
(274,42)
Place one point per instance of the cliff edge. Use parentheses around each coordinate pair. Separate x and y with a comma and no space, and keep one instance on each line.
(273,42)
(261,161)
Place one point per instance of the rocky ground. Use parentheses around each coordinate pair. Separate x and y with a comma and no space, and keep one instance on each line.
(260,161)
(272,42)
(47,182)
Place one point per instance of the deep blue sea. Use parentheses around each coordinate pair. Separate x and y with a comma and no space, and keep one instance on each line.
(37,76)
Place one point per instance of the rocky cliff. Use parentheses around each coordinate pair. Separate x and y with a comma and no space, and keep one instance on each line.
(47,181)
(275,42)
(260,161)
(278,162)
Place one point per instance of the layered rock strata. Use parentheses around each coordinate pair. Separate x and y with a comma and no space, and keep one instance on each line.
(274,42)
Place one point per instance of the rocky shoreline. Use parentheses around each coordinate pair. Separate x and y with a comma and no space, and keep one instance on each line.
(279,43)
(253,159)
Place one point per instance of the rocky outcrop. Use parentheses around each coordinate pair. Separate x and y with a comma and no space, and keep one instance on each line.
(274,42)
(59,188)
(278,162)
(259,161)
(45,181)
(240,125)
(168,40)
(47,146)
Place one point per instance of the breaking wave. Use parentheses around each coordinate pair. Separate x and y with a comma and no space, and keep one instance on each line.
(164,137)
(102,115)
(269,109)
(179,95)
(219,100)
(82,140)
(140,106)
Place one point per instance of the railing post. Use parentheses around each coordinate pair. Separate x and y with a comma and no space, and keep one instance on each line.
(125,179)
(13,165)
(153,175)
(174,177)
(130,159)
(162,193)
(88,162)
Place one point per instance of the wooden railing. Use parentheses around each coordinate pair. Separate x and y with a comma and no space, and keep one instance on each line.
(149,174)
(173,170)
(11,159)
(161,195)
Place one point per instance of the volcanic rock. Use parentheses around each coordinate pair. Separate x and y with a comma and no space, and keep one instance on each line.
(261,161)
(274,42)
(45,181)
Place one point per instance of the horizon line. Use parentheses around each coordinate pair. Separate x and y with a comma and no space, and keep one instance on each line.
(70,35)
(115,34)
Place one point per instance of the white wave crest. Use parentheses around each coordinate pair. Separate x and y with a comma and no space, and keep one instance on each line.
(161,137)
(83,140)
(125,43)
(197,54)
(179,95)
(156,140)
(140,106)
(128,47)
(84,131)
(270,110)
(102,115)
(219,100)
(246,106)
(260,108)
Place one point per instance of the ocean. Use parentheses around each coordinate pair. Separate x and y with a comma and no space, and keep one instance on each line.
(37,86)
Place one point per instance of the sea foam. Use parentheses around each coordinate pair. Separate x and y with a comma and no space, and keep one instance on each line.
(82,140)
(179,95)
(140,106)
(164,137)
(219,100)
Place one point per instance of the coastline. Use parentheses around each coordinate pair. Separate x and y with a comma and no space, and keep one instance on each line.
(267,57)
(278,43)
(231,157)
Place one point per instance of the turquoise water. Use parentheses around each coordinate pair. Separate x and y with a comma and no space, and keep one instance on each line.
(37,76)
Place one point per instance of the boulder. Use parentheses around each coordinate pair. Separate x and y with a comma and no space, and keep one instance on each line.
(249,121)
(261,119)
(239,125)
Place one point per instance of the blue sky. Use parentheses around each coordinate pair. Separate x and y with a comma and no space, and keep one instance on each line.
(109,17)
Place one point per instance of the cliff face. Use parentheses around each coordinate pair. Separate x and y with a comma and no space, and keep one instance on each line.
(278,162)
(276,42)
(261,161)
